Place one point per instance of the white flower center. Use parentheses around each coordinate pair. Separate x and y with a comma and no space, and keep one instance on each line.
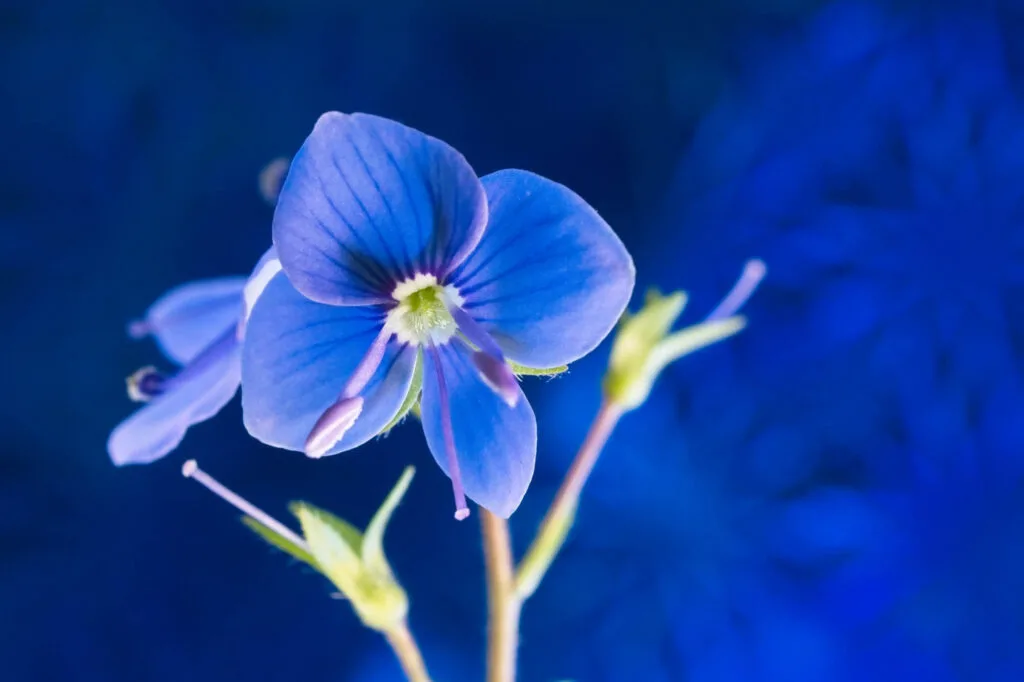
(421,316)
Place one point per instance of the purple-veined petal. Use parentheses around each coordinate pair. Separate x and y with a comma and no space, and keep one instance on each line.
(368,203)
(197,393)
(549,278)
(495,445)
(188,318)
(298,357)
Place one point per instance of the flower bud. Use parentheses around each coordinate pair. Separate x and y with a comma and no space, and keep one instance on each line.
(644,344)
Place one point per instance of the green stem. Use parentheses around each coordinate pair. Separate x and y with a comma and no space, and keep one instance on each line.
(407,652)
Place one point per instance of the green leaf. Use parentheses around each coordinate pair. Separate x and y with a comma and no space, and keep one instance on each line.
(373,539)
(524,371)
(279,541)
(411,398)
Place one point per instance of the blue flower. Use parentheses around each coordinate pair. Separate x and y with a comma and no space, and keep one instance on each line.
(198,326)
(400,265)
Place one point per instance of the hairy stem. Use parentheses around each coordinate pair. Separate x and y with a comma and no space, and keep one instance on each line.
(407,652)
(504,604)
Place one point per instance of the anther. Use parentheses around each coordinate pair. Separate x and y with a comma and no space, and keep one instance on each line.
(145,384)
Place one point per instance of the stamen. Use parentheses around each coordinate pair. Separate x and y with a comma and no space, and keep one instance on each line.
(191,470)
(271,178)
(139,329)
(337,419)
(332,426)
(461,510)
(367,367)
(753,273)
(498,377)
(145,384)
(489,360)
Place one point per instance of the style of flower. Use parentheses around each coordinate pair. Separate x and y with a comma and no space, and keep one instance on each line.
(199,327)
(401,267)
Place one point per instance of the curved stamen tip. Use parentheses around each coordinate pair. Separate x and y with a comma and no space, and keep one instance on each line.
(139,329)
(753,272)
(462,514)
(145,384)
(189,468)
(332,426)
(498,376)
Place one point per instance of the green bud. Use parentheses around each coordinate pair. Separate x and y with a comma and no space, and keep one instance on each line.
(353,561)
(644,346)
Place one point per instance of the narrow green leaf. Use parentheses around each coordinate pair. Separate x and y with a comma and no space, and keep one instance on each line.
(279,541)
(524,371)
(411,397)
(373,540)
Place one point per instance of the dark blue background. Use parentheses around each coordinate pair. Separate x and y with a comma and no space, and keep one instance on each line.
(835,495)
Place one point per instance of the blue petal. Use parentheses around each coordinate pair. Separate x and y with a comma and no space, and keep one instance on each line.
(188,318)
(496,445)
(197,393)
(369,202)
(549,279)
(298,355)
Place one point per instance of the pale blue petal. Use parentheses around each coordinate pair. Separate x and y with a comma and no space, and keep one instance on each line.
(549,278)
(369,202)
(188,318)
(197,393)
(298,355)
(496,445)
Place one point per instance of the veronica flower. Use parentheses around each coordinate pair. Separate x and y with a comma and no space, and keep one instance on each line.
(198,326)
(400,266)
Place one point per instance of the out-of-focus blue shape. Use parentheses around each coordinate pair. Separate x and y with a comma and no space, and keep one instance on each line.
(834,495)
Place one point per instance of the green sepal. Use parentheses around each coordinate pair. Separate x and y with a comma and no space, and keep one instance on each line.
(524,371)
(372,549)
(352,560)
(410,404)
(280,542)
(349,533)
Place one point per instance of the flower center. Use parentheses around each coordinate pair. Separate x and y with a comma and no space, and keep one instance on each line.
(421,316)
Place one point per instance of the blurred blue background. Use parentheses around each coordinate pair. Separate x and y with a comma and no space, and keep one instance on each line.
(837,494)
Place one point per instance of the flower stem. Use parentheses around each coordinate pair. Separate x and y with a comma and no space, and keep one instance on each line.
(504,604)
(407,653)
(560,516)
(508,588)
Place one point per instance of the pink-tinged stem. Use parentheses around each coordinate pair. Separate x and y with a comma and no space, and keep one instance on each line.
(509,587)
(503,605)
(600,429)
(461,510)
(407,653)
